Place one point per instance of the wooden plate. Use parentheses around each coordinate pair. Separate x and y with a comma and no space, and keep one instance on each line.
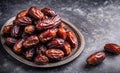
(75,52)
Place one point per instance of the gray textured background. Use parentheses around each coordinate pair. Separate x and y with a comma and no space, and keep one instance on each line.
(98,20)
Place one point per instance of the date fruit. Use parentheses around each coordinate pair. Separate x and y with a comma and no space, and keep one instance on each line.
(47,35)
(56,43)
(35,13)
(54,54)
(112,48)
(22,21)
(17,48)
(96,58)
(10,41)
(15,31)
(62,33)
(21,13)
(66,48)
(31,41)
(40,50)
(29,53)
(48,23)
(41,59)
(29,29)
(48,12)
(71,39)
(7,29)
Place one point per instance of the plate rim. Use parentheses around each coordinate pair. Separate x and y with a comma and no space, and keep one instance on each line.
(26,62)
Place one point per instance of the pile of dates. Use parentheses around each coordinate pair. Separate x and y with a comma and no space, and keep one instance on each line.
(39,35)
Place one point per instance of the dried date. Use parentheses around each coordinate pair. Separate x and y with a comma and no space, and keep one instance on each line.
(40,50)
(7,29)
(29,29)
(17,48)
(10,41)
(55,54)
(47,35)
(22,21)
(31,41)
(56,43)
(71,39)
(66,48)
(62,33)
(41,59)
(15,31)
(35,12)
(30,53)
(48,12)
(112,48)
(96,58)
(22,13)
(48,23)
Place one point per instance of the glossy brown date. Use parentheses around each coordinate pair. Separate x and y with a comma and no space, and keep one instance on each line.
(48,23)
(15,31)
(10,41)
(112,48)
(29,29)
(7,29)
(66,48)
(62,33)
(40,50)
(30,53)
(48,12)
(35,13)
(56,43)
(41,60)
(71,39)
(21,13)
(47,35)
(22,21)
(55,54)
(17,48)
(96,58)
(31,41)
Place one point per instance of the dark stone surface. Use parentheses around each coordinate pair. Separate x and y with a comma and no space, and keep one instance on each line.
(98,20)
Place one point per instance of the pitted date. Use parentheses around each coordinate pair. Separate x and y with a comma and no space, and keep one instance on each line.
(30,53)
(29,29)
(35,13)
(7,29)
(15,31)
(56,43)
(47,35)
(31,41)
(96,58)
(71,39)
(66,48)
(41,59)
(17,48)
(112,48)
(55,54)
(22,21)
(48,23)
(62,33)
(48,12)
(22,13)
(40,50)
(10,41)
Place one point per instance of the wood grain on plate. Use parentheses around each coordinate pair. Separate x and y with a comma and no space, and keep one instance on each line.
(75,52)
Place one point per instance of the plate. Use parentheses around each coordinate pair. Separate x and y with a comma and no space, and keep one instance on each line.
(74,54)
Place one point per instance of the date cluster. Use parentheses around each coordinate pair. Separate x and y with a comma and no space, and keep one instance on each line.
(39,35)
(98,57)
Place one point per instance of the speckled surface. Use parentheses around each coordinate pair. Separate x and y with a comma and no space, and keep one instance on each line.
(98,20)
